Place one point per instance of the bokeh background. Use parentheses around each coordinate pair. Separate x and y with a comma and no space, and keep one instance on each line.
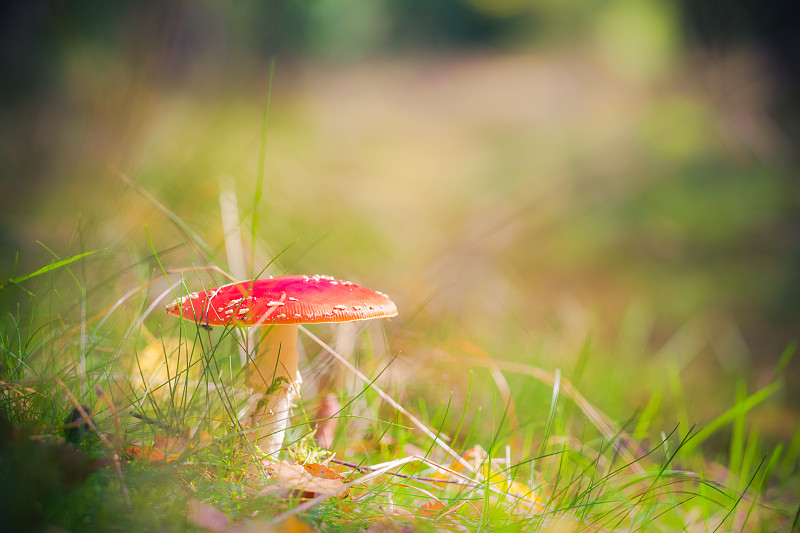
(524,177)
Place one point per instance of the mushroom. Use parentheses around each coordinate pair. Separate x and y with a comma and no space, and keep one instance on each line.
(277,306)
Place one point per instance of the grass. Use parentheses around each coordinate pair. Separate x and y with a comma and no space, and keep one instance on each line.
(642,411)
(163,396)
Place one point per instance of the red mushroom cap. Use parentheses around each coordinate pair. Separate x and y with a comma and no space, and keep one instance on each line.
(284,300)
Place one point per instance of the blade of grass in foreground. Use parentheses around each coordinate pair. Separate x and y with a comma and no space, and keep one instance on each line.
(46,269)
(731,414)
(260,180)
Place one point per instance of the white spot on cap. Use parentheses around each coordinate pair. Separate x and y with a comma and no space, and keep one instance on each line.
(234,303)
(340,307)
(275,303)
(182,299)
(297,315)
(293,299)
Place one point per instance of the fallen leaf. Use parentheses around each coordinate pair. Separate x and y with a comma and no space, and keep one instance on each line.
(207,516)
(322,471)
(150,365)
(431,507)
(141,451)
(298,478)
(171,445)
(164,448)
(498,480)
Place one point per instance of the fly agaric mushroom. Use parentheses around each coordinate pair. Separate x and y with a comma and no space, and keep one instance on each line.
(277,306)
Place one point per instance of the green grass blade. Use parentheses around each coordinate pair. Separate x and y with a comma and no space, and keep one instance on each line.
(731,414)
(552,414)
(260,177)
(784,360)
(739,430)
(648,413)
(48,268)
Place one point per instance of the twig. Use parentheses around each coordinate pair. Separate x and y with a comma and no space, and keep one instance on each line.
(367,468)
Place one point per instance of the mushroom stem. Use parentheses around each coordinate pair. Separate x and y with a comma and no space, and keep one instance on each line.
(268,413)
(275,356)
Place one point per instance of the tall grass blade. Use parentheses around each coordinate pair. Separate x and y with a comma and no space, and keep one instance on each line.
(739,430)
(260,177)
(552,414)
(731,414)
(48,268)
(741,496)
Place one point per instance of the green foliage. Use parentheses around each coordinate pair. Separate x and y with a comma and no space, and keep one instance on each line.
(580,477)
(45,269)
(593,290)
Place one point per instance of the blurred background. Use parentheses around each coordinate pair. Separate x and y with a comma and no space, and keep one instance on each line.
(524,177)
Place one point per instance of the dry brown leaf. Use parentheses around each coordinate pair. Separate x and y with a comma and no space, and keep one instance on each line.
(432,507)
(140,451)
(296,477)
(164,448)
(171,445)
(322,471)
(207,516)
